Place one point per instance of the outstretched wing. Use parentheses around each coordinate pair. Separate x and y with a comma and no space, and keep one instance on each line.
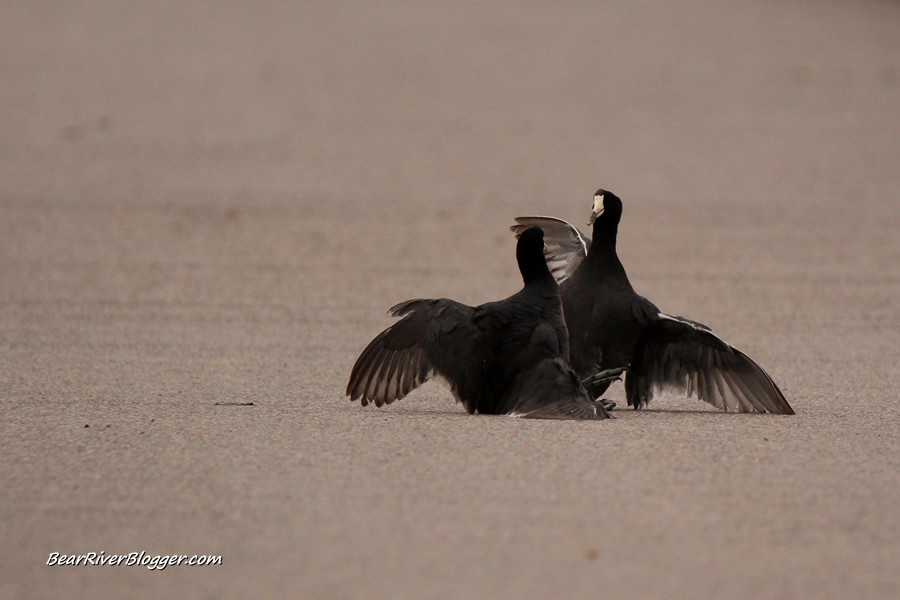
(434,336)
(681,355)
(565,246)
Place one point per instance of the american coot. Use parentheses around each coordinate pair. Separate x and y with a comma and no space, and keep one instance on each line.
(612,326)
(507,357)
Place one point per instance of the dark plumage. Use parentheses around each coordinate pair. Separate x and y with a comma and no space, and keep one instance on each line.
(506,357)
(610,325)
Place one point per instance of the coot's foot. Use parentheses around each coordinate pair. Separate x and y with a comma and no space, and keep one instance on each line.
(597,383)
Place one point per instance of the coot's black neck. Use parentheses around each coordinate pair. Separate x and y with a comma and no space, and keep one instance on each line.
(602,257)
(533,267)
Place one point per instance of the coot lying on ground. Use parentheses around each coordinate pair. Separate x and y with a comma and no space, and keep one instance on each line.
(610,325)
(507,357)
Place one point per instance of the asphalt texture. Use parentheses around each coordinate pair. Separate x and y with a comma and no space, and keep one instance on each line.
(207,209)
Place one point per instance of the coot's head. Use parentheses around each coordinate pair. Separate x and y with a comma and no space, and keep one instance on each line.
(531,242)
(607,207)
(530,255)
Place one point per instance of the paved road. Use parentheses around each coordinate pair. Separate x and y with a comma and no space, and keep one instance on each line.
(205,205)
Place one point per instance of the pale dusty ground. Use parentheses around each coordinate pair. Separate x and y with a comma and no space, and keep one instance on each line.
(215,203)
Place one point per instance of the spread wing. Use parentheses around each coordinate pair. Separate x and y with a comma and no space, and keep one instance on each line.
(681,355)
(434,336)
(565,246)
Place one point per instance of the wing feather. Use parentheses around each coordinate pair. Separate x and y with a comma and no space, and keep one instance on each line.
(565,246)
(677,354)
(551,390)
(433,336)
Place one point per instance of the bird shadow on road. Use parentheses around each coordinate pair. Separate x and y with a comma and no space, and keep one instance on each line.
(694,411)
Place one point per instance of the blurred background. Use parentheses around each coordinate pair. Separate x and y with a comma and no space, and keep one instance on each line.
(741,120)
(216,202)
